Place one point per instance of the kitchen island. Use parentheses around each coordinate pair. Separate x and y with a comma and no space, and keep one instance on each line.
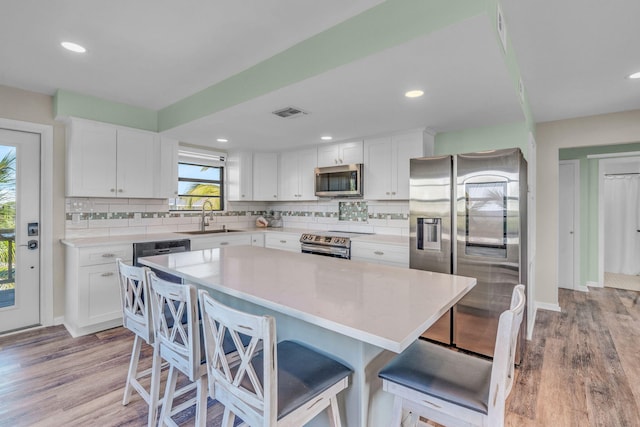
(361,314)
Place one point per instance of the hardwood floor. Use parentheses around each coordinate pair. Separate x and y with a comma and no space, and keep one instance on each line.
(581,368)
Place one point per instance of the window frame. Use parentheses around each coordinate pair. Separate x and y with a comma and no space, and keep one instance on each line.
(203,164)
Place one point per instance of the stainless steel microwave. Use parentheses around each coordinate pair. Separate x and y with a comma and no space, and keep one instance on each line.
(339,181)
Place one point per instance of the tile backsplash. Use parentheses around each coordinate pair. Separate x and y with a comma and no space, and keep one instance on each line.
(94,217)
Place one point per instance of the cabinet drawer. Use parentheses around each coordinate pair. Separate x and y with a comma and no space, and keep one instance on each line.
(257,240)
(380,253)
(105,254)
(220,241)
(284,241)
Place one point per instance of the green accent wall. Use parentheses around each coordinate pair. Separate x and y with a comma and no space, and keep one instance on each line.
(71,104)
(486,138)
(589,194)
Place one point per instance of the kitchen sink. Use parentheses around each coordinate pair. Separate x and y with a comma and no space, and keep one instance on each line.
(218,231)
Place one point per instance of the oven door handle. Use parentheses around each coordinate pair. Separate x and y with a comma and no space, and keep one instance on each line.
(324,249)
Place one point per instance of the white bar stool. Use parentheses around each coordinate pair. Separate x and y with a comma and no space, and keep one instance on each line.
(285,384)
(456,389)
(136,316)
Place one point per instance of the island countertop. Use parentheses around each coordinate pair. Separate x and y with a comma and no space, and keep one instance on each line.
(384,306)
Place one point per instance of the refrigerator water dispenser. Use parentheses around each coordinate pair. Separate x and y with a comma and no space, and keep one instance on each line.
(429,234)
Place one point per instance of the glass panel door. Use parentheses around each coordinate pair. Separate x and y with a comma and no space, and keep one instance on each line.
(19,229)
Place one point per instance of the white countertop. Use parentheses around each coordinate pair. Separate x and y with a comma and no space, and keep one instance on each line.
(140,238)
(384,306)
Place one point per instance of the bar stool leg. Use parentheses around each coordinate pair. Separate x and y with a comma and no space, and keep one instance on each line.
(133,369)
(201,402)
(154,392)
(169,393)
(334,413)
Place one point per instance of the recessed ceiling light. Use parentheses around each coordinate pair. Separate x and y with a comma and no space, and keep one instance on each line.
(73,47)
(326,138)
(414,94)
(635,75)
(222,140)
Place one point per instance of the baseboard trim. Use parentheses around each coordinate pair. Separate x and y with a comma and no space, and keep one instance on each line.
(582,288)
(595,285)
(548,306)
(58,321)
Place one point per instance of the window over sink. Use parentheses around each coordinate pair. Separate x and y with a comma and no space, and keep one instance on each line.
(200,178)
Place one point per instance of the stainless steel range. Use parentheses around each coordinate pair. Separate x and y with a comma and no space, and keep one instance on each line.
(337,245)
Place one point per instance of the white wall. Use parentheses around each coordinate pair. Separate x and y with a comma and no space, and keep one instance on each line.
(606,129)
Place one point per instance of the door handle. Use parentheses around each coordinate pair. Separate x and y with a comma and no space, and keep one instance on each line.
(31,245)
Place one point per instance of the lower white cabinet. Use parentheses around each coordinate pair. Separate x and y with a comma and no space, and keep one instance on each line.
(380,253)
(281,240)
(217,241)
(257,240)
(92,290)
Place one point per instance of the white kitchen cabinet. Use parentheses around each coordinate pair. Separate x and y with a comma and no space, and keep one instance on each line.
(282,240)
(380,253)
(386,165)
(338,154)
(297,178)
(168,180)
(257,239)
(239,168)
(265,176)
(220,241)
(111,161)
(92,290)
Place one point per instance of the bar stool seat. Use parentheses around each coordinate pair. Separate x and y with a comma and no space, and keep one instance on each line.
(302,375)
(443,373)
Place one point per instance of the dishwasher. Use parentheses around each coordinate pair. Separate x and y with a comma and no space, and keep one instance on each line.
(165,247)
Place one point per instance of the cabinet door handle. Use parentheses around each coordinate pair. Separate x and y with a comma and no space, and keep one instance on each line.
(387,193)
(224,243)
(113,190)
(275,196)
(283,241)
(393,193)
(379,253)
(108,255)
(120,190)
(107,274)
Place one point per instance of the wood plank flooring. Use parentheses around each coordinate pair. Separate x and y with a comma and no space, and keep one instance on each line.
(581,369)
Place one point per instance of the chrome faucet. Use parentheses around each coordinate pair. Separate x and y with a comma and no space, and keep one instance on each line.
(204,223)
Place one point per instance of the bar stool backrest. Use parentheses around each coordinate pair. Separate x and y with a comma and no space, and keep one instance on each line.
(134,289)
(240,388)
(178,341)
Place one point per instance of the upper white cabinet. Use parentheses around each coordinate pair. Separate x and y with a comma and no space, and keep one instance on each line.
(111,161)
(168,179)
(239,167)
(297,176)
(386,165)
(265,176)
(339,154)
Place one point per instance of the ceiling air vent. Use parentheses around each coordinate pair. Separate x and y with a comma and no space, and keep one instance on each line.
(290,112)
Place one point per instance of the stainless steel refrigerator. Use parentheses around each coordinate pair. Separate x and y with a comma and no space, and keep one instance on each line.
(468,217)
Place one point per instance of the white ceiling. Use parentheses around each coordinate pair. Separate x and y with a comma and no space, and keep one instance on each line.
(573,56)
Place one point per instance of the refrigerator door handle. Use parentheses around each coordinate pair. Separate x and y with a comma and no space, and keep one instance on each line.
(429,234)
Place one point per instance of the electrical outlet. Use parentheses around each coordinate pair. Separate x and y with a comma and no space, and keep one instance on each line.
(75,218)
(137,217)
